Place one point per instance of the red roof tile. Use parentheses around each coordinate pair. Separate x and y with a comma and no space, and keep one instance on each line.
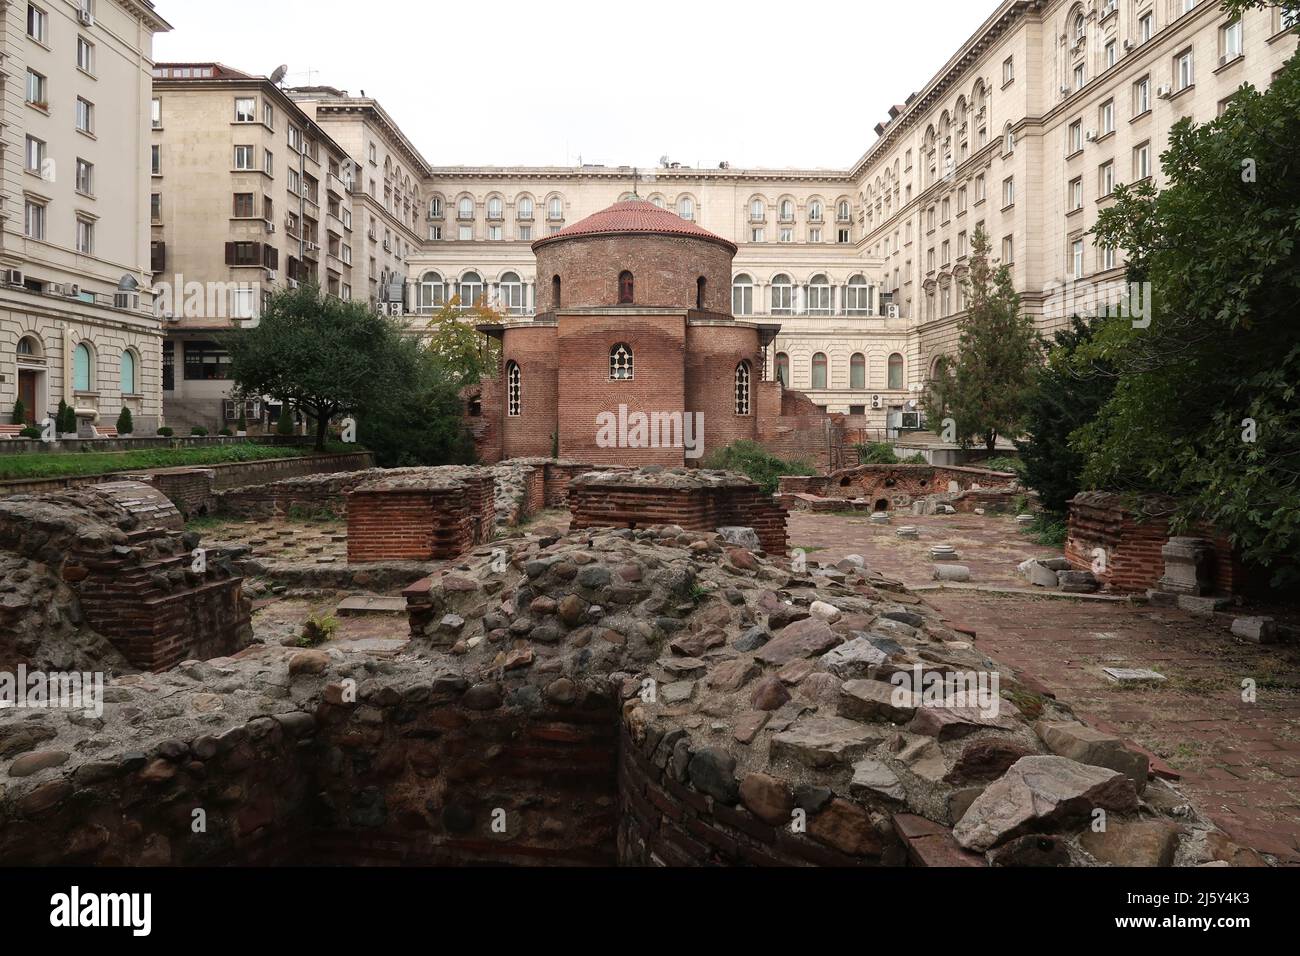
(637,217)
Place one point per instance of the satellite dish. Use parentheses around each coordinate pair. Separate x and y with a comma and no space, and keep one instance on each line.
(279,74)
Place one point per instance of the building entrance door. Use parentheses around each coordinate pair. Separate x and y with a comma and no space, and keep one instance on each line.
(27,381)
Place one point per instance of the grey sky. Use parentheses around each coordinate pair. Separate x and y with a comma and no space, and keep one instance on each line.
(799,83)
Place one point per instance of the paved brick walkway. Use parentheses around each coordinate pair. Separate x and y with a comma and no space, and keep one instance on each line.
(1240,761)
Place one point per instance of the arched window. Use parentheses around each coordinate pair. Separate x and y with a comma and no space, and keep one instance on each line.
(657,201)
(512,293)
(757,210)
(742,388)
(858,296)
(844,212)
(819,370)
(433,294)
(524,207)
(555,208)
(787,210)
(858,371)
(895,371)
(496,208)
(742,295)
(686,207)
(128,373)
(555,292)
(819,296)
(471,289)
(81,379)
(620,363)
(783,368)
(435,207)
(1009,140)
(1080,27)
(700,285)
(514,389)
(782,295)
(465,208)
(29,350)
(815,211)
(625,289)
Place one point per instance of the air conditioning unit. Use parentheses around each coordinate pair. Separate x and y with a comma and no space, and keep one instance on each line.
(1090,136)
(1128,45)
(171,317)
(13,277)
(388,246)
(272,275)
(86,17)
(74,291)
(910,420)
(893,312)
(371,234)
(1164,92)
(877,402)
(125,300)
(1065,89)
(270,228)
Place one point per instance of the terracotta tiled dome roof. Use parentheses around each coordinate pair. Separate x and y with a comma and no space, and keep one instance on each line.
(635,217)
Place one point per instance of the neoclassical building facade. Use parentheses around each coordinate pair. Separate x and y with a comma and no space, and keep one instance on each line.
(1023,132)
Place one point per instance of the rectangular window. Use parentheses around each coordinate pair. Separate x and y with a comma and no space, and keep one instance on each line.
(38,23)
(1107,121)
(1110,55)
(268,162)
(466,233)
(842,236)
(1008,70)
(244,157)
(1106,179)
(85,55)
(155,114)
(1105,259)
(1008,250)
(787,235)
(36,89)
(155,207)
(1080,76)
(245,110)
(1142,96)
(85,115)
(814,235)
(244,205)
(1009,191)
(155,160)
(85,177)
(757,235)
(1074,141)
(85,236)
(1230,37)
(1076,194)
(525,233)
(1142,161)
(35,154)
(1076,258)
(1146,27)
(34,225)
(268,116)
(979,188)
(494,233)
(206,361)
(1184,73)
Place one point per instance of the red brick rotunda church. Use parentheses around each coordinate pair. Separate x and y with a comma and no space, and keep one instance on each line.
(633,357)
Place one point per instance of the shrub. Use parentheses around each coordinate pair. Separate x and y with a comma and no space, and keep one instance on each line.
(125,425)
(65,420)
(317,629)
(20,413)
(225,433)
(284,426)
(1004,463)
(198,431)
(754,461)
(166,432)
(31,431)
(876,453)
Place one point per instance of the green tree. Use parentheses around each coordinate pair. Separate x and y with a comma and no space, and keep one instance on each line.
(125,425)
(454,343)
(1067,394)
(20,413)
(325,356)
(984,389)
(1206,407)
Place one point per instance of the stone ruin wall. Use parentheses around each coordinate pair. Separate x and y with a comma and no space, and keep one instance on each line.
(900,486)
(1133,545)
(677,497)
(118,549)
(523,697)
(435,517)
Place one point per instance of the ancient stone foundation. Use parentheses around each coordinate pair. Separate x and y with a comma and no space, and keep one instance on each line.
(1132,541)
(650,696)
(900,487)
(697,500)
(133,575)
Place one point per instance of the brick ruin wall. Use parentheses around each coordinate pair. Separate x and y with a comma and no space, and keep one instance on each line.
(423,520)
(594,504)
(1133,546)
(897,486)
(130,569)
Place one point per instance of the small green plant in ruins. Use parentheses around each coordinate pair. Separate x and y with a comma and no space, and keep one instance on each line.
(317,629)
